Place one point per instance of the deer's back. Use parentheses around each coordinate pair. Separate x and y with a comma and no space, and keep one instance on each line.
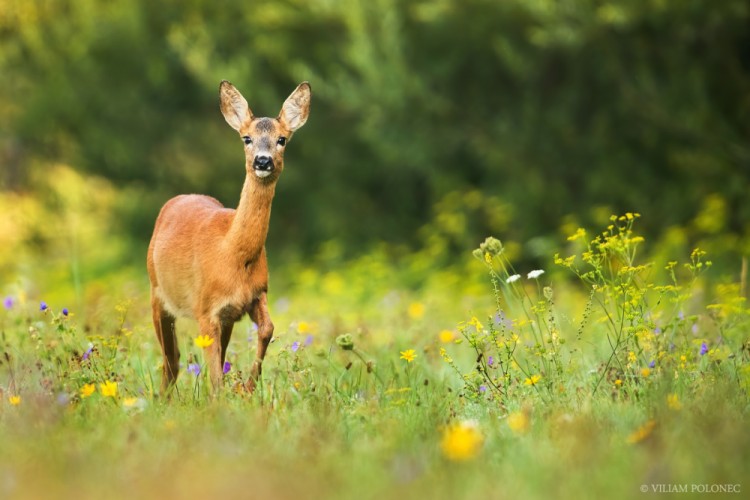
(186,244)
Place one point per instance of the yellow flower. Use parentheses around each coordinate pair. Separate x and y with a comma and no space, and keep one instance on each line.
(462,441)
(87,390)
(618,382)
(129,402)
(14,400)
(645,372)
(408,355)
(416,310)
(518,422)
(446,336)
(108,389)
(488,258)
(580,233)
(303,327)
(673,402)
(203,341)
(476,324)
(532,380)
(642,432)
(631,357)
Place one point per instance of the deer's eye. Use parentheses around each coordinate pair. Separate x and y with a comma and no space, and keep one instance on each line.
(246,139)
(281,141)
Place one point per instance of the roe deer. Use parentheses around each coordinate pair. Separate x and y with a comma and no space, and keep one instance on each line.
(208,262)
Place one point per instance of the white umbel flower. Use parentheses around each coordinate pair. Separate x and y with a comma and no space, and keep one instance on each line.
(513,278)
(535,274)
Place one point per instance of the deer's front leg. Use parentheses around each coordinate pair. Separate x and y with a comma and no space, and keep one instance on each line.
(259,314)
(212,328)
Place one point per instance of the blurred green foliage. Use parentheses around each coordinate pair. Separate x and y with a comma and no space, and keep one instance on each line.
(543,107)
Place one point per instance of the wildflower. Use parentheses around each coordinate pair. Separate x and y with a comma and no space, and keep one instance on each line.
(580,233)
(129,402)
(194,368)
(108,389)
(15,400)
(63,399)
(657,330)
(345,342)
(303,327)
(134,404)
(490,361)
(295,346)
(445,336)
(203,341)
(642,432)
(518,422)
(87,353)
(476,324)
(8,302)
(514,278)
(673,402)
(704,349)
(87,390)
(408,355)
(532,380)
(227,366)
(488,258)
(618,382)
(482,388)
(535,274)
(308,340)
(645,372)
(416,310)
(43,306)
(65,311)
(652,364)
(491,246)
(461,442)
(631,357)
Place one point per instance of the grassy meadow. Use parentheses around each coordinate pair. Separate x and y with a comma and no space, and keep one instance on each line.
(609,371)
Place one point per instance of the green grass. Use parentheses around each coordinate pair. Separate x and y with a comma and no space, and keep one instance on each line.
(334,423)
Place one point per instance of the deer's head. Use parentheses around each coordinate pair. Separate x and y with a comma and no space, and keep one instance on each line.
(265,138)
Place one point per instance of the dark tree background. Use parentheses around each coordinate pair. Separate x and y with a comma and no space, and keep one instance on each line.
(546,108)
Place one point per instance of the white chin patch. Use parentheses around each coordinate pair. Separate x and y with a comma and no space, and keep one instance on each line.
(262,173)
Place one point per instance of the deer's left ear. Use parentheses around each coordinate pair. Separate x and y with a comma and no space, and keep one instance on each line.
(296,108)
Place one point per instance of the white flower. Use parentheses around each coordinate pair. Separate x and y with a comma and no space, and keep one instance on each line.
(535,274)
(513,278)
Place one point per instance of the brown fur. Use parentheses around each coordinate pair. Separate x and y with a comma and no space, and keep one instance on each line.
(208,262)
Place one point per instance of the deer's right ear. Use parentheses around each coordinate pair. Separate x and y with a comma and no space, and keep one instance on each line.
(233,106)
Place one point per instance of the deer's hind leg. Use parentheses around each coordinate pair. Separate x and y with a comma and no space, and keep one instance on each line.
(165,332)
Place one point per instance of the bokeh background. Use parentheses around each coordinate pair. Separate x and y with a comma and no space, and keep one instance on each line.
(434,124)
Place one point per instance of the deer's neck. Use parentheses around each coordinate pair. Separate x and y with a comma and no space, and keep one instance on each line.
(247,234)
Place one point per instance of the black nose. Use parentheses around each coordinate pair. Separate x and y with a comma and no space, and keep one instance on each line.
(263,163)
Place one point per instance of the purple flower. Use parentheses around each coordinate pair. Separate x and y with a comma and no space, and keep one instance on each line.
(227,367)
(657,330)
(43,306)
(194,368)
(694,328)
(704,349)
(63,399)
(681,315)
(8,302)
(65,311)
(308,340)
(295,346)
(652,364)
(482,388)
(87,353)
(490,361)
